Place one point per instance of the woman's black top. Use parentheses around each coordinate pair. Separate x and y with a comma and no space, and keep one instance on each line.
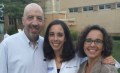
(58,70)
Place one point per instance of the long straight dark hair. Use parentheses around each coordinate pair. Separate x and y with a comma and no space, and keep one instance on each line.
(68,51)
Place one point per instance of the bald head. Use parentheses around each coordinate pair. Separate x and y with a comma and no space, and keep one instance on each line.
(32,6)
(33,21)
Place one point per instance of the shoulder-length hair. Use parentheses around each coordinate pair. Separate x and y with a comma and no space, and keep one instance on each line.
(107,41)
(68,51)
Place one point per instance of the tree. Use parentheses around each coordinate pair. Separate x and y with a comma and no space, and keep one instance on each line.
(14,10)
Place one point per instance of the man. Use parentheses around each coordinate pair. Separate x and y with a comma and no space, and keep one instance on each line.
(22,52)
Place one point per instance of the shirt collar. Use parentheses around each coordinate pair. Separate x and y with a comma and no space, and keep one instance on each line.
(28,41)
(33,46)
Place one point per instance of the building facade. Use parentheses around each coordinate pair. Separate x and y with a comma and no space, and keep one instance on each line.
(80,13)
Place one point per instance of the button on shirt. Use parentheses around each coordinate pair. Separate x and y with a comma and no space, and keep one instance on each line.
(17,55)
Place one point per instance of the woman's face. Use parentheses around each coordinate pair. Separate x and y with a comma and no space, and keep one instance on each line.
(56,37)
(93,45)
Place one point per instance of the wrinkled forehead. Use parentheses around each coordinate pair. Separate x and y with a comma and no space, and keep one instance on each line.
(32,7)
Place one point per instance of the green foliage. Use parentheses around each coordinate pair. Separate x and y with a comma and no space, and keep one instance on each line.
(14,9)
(116,37)
(10,1)
(23,1)
(74,34)
(11,31)
(116,50)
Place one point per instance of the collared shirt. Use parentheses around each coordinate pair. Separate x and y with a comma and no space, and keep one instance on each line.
(71,66)
(33,46)
(17,55)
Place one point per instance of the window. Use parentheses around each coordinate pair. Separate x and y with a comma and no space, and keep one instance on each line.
(88,8)
(101,6)
(73,9)
(118,5)
(105,6)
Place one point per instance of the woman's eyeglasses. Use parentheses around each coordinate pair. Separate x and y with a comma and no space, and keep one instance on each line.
(89,41)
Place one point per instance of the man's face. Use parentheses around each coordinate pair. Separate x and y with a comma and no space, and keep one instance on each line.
(33,22)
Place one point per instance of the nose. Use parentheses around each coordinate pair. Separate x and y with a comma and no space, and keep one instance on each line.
(55,37)
(35,22)
(93,43)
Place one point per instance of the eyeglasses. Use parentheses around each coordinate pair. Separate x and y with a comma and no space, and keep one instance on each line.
(97,41)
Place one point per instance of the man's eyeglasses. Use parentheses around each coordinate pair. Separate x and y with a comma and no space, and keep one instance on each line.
(90,41)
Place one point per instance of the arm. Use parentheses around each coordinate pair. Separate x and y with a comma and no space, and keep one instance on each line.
(3,59)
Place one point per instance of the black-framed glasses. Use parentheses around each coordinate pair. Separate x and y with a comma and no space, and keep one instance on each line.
(89,41)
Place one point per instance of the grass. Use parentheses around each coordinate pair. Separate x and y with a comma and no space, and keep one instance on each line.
(116,51)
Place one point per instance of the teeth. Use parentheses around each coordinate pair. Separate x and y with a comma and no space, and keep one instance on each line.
(55,44)
(92,50)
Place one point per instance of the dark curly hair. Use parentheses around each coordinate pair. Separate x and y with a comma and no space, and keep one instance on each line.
(107,41)
(68,51)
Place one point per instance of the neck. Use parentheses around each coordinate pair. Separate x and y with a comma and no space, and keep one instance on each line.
(58,60)
(32,39)
(57,55)
(92,61)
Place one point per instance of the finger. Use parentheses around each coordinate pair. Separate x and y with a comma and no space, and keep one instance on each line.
(110,57)
(108,62)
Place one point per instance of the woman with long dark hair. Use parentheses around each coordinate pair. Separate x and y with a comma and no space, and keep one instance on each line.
(58,49)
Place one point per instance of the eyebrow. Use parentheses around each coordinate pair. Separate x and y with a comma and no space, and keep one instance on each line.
(94,39)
